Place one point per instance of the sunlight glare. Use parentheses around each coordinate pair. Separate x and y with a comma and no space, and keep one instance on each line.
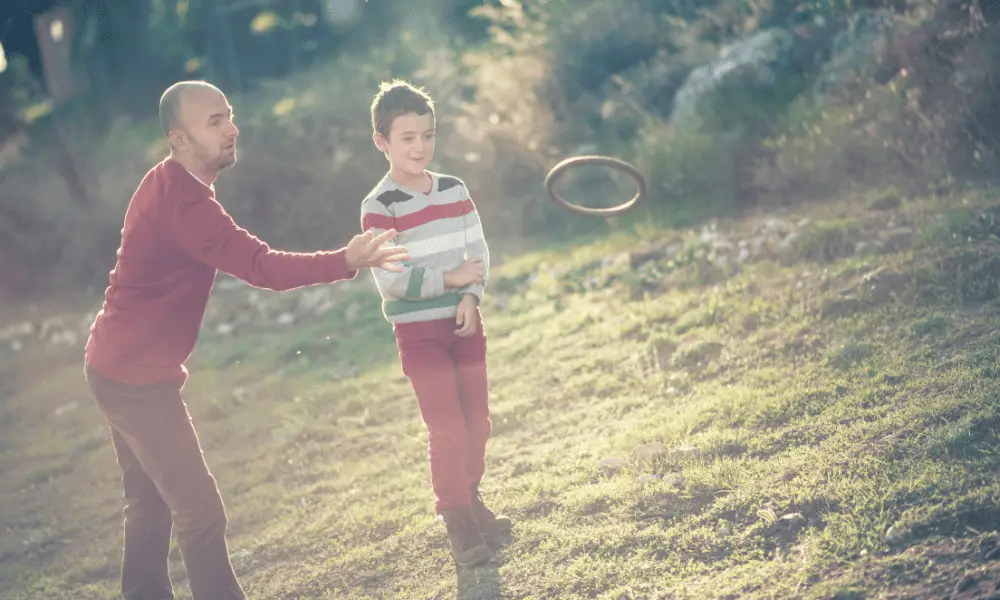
(56,30)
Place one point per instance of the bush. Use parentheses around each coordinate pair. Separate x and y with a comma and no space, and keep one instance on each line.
(932,121)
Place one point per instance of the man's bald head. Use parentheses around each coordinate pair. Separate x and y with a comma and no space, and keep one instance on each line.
(172,100)
(197,119)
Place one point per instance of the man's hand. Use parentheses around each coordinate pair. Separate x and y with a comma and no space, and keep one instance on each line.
(471,271)
(363,251)
(466,321)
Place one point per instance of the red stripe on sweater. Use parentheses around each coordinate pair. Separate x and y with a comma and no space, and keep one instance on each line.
(421,217)
(377,221)
(433,213)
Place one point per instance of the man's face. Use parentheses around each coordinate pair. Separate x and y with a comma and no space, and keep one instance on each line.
(206,130)
(410,144)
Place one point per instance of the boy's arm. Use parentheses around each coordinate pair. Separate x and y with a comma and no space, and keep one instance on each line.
(411,283)
(475,246)
(205,231)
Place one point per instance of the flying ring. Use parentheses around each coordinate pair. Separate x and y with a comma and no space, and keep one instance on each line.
(603,161)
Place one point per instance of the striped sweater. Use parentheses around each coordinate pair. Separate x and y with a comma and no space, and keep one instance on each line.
(441,230)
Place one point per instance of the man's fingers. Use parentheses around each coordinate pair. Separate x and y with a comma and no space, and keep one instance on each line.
(381,238)
(392,267)
(476,260)
(395,251)
(388,254)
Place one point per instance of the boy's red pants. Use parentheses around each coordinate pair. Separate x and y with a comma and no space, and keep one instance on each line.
(448,374)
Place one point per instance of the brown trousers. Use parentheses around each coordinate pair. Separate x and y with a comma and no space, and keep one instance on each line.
(167,483)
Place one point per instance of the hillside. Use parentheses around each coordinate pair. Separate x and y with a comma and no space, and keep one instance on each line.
(801,404)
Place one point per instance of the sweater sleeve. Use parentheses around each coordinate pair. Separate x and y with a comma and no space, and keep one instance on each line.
(205,231)
(475,246)
(412,283)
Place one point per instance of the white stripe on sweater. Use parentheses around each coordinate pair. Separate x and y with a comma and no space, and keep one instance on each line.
(444,242)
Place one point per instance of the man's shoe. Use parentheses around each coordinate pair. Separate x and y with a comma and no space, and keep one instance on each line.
(467,545)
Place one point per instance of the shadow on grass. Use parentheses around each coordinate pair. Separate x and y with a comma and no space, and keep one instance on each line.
(483,583)
(480,583)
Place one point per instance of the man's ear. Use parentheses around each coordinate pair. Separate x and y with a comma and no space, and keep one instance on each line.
(176,138)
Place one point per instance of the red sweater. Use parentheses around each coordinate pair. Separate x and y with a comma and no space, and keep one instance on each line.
(175,239)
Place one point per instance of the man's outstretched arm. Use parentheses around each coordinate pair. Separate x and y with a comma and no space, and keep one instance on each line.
(206,232)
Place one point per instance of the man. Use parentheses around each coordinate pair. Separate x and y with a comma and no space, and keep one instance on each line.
(175,238)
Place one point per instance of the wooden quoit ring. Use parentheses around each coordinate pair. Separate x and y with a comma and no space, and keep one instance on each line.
(601,161)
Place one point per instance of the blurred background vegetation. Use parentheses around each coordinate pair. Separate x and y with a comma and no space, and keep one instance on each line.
(725,105)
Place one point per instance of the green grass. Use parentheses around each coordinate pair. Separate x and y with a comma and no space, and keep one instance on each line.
(850,391)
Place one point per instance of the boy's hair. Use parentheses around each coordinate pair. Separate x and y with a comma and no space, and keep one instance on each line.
(395,98)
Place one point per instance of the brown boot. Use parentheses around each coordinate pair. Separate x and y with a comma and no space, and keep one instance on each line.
(489,524)
(467,545)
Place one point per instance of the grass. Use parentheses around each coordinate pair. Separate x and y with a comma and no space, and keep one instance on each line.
(828,412)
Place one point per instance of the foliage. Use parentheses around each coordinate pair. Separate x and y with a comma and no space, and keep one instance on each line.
(520,85)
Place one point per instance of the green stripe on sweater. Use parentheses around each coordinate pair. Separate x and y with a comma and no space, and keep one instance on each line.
(401,307)
(416,282)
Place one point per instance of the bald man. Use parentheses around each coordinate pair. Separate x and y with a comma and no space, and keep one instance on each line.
(175,239)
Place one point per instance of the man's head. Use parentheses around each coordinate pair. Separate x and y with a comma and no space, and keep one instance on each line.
(403,120)
(198,122)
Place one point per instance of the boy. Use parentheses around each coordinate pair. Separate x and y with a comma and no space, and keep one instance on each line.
(433,304)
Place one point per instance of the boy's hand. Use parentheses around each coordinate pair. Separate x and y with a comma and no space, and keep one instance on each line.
(471,271)
(466,320)
(363,251)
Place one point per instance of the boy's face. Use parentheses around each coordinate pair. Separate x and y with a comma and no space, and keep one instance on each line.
(410,145)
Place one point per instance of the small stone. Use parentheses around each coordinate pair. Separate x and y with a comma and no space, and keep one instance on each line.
(286,318)
(792,520)
(649,452)
(225,328)
(724,531)
(673,480)
(895,534)
(684,452)
(610,466)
